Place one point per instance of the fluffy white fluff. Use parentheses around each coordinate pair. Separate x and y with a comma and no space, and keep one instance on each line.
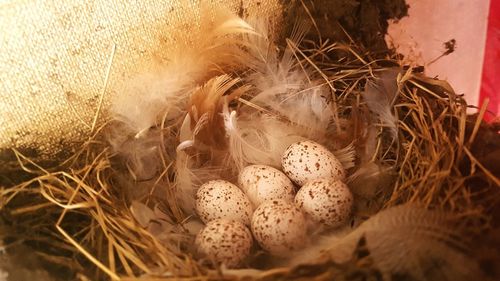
(160,93)
(380,95)
(232,100)
(258,139)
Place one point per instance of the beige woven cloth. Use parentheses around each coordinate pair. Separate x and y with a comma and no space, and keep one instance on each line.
(56,57)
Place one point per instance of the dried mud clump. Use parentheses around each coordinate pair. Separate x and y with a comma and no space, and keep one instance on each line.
(363,21)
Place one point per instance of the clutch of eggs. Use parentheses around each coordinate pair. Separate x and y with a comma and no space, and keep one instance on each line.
(278,223)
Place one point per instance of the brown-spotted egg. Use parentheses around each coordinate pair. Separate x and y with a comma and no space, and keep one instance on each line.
(307,160)
(262,183)
(225,241)
(219,199)
(326,201)
(279,227)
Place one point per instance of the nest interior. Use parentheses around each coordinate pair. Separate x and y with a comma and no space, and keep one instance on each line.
(81,220)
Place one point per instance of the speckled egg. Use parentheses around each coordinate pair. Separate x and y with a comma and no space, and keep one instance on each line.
(279,227)
(307,160)
(326,201)
(225,241)
(262,183)
(219,199)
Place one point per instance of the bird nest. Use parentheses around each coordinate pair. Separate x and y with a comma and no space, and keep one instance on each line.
(414,159)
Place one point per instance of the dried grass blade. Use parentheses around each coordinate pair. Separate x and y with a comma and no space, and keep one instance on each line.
(87,254)
(484,169)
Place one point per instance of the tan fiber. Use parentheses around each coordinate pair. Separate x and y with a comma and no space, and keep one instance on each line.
(56,55)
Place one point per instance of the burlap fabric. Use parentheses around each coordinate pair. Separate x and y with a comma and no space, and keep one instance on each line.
(56,56)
